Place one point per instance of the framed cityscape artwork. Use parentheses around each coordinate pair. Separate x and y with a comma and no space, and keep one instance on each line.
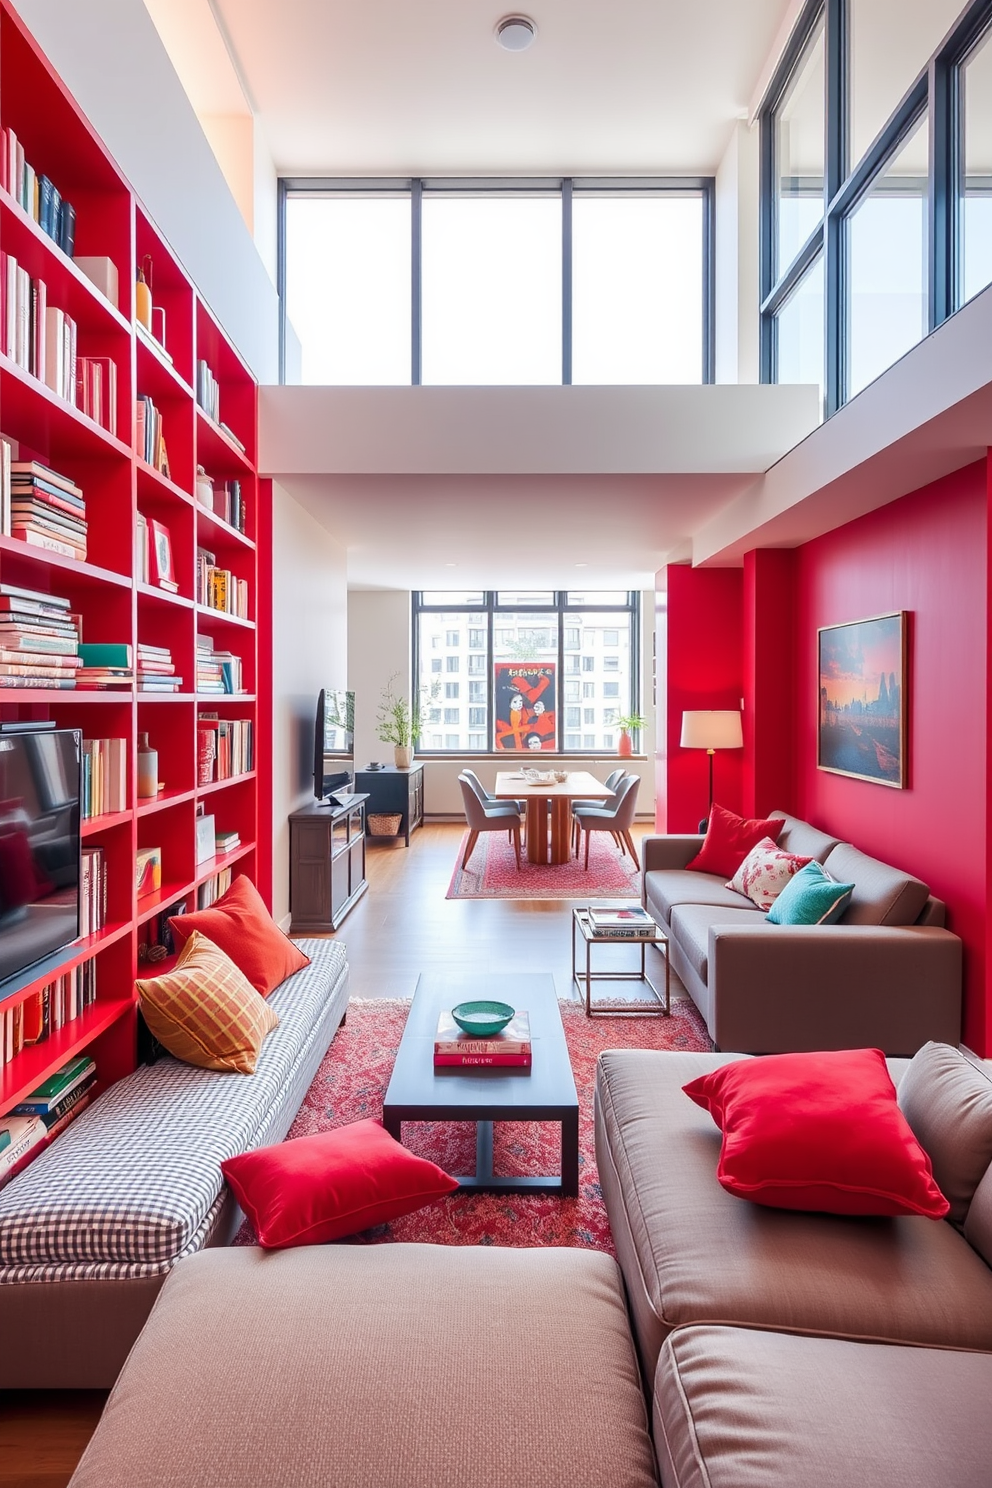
(862,727)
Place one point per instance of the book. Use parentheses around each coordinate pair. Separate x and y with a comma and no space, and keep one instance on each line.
(47,1095)
(71,1098)
(475,1061)
(69,1114)
(27,1135)
(514,1039)
(106,654)
(621,923)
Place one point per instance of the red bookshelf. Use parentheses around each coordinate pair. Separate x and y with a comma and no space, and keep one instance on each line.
(116,603)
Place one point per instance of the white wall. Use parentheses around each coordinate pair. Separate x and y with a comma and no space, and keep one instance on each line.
(380,647)
(736,253)
(140,109)
(310,648)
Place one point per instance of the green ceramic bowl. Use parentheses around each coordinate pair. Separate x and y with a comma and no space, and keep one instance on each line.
(482,1018)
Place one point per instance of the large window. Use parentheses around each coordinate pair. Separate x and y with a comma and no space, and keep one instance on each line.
(524,647)
(488,282)
(895,116)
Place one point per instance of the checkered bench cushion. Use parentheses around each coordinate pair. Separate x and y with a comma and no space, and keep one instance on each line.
(134,1181)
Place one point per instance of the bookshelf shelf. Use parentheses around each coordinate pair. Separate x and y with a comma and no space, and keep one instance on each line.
(109,590)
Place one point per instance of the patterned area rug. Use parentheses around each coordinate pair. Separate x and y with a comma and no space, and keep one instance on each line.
(492,873)
(350,1086)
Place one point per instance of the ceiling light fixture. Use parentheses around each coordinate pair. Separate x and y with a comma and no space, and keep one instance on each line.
(515,33)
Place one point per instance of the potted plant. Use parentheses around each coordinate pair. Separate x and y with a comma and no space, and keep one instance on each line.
(627,723)
(398,722)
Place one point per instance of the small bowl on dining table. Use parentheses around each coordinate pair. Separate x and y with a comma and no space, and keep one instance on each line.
(561,776)
(482,1018)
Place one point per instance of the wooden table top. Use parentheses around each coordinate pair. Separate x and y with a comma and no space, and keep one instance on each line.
(579,783)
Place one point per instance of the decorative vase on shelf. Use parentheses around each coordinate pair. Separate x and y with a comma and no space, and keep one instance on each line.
(143,295)
(403,756)
(147,768)
(625,746)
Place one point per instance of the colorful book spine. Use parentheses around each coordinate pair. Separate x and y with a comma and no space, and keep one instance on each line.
(468,1061)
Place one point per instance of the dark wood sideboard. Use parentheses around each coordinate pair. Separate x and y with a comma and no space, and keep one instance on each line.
(391,791)
(326,863)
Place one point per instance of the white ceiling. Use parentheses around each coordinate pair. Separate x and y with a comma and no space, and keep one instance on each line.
(386,87)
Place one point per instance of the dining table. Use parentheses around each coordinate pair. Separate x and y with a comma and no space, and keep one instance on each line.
(549,832)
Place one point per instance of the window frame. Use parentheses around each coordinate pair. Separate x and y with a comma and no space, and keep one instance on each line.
(564,186)
(936,92)
(556,610)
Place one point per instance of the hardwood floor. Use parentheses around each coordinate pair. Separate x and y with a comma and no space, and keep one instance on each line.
(403,925)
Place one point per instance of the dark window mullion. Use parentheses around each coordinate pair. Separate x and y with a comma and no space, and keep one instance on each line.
(942,193)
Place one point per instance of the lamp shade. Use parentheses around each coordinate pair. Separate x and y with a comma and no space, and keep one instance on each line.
(711,728)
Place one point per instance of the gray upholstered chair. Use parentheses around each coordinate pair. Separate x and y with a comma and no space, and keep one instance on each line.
(616,818)
(500,816)
(611,782)
(488,796)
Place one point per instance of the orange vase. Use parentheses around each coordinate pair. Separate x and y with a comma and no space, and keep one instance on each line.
(625,747)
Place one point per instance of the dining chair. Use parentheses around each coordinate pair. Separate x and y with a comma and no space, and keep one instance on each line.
(616,818)
(611,782)
(488,796)
(501,816)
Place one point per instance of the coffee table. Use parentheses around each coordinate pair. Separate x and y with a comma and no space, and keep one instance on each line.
(546,1092)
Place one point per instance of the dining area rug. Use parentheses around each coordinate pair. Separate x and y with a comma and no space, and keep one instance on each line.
(351,1083)
(492,873)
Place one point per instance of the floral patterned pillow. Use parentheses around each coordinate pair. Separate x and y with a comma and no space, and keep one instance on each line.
(765,872)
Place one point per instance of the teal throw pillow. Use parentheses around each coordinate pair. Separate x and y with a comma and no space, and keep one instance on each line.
(811,897)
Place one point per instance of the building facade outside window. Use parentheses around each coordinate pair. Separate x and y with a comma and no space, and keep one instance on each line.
(531,636)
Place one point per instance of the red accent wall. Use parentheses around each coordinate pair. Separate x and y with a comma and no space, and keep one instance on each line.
(926,553)
(699,666)
(769,681)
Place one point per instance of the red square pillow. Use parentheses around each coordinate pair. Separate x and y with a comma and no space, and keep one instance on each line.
(818,1131)
(245,931)
(729,839)
(335,1183)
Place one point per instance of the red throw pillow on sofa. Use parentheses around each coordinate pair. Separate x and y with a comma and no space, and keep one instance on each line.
(729,839)
(333,1184)
(245,931)
(818,1131)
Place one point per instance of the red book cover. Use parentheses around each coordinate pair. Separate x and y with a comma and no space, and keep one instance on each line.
(465,1061)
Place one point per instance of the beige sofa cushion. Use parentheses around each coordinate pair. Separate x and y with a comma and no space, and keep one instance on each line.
(799,837)
(691,927)
(882,895)
(691,1252)
(384,1366)
(735,1408)
(947,1100)
(666,888)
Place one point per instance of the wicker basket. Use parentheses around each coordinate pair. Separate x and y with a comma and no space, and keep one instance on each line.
(383,825)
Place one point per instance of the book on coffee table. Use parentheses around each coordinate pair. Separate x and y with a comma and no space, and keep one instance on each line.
(512,1046)
(622,922)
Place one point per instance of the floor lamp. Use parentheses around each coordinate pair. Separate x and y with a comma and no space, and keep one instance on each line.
(711,729)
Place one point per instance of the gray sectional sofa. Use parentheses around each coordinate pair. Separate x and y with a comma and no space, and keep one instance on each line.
(90,1231)
(782,1348)
(886,976)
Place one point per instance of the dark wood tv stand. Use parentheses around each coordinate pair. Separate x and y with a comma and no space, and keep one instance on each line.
(326,863)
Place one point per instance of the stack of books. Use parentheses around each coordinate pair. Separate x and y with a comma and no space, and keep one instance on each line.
(218,588)
(148,438)
(62,1097)
(104,777)
(38,196)
(39,337)
(227,841)
(229,504)
(207,391)
(225,747)
(92,890)
(21,1139)
(217,671)
(208,893)
(455,1049)
(46,1010)
(47,510)
(39,639)
(621,922)
(156,670)
(105,664)
(96,390)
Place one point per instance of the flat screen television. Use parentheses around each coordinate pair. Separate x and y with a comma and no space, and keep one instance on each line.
(333,740)
(39,845)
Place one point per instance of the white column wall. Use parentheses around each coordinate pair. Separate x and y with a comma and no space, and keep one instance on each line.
(736,253)
(310,650)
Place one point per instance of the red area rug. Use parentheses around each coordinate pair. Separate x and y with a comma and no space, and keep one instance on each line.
(351,1083)
(492,873)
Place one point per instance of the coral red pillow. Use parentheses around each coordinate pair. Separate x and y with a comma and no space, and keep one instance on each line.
(335,1183)
(245,931)
(818,1131)
(729,839)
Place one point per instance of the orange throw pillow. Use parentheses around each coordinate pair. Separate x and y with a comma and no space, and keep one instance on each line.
(241,925)
(205,1011)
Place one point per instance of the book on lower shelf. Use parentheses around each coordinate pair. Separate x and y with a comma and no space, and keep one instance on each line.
(39,639)
(47,1098)
(208,893)
(511,1047)
(21,1139)
(626,922)
(46,1010)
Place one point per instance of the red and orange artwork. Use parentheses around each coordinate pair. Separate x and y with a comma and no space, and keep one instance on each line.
(524,703)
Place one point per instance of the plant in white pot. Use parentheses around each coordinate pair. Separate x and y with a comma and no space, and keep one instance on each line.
(398,721)
(628,724)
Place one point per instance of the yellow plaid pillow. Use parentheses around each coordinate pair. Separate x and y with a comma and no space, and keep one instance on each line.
(205,1011)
